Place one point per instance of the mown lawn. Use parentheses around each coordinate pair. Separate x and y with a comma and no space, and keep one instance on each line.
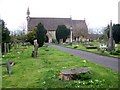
(80,46)
(43,71)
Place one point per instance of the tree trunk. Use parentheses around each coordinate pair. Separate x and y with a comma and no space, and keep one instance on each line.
(74,74)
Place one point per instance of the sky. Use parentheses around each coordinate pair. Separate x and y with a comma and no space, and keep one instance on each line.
(97,13)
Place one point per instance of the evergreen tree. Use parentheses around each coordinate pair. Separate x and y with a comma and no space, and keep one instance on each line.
(6,38)
(5,33)
(41,34)
(31,36)
(62,33)
(116,32)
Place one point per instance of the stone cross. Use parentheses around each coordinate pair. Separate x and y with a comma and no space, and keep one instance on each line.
(111,43)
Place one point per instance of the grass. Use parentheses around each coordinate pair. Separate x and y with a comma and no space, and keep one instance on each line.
(82,47)
(43,71)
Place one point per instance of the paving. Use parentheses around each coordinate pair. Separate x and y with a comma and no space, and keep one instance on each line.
(109,62)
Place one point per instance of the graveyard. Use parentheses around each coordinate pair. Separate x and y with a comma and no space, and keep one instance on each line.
(44,70)
(32,60)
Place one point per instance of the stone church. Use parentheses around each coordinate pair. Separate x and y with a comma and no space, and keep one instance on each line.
(51,24)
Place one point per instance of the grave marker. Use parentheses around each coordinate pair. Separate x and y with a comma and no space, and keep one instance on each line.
(35,49)
(111,43)
(8,67)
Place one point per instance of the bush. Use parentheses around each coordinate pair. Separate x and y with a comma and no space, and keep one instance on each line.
(76,46)
(115,53)
(118,51)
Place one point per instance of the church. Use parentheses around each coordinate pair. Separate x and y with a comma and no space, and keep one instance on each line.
(51,24)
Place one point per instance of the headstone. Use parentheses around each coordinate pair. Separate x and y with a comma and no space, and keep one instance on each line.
(61,40)
(35,49)
(8,67)
(111,44)
(111,48)
(5,48)
(8,47)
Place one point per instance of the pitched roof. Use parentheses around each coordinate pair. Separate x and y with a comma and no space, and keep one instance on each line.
(52,23)
(79,25)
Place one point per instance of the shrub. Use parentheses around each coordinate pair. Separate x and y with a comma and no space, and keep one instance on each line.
(114,53)
(76,46)
(118,51)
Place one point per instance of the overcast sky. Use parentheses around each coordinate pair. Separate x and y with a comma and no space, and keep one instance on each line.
(97,13)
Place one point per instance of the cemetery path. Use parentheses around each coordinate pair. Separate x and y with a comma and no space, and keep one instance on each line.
(109,62)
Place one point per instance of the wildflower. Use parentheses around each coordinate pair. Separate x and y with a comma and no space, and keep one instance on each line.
(18,52)
(44,82)
(3,55)
(96,80)
(91,81)
(84,61)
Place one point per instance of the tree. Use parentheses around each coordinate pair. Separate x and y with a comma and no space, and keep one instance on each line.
(5,36)
(62,33)
(105,34)
(41,34)
(116,32)
(31,36)
(80,31)
(5,33)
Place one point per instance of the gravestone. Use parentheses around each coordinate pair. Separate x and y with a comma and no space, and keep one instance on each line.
(8,47)
(35,49)
(61,40)
(8,67)
(5,48)
(73,74)
(111,44)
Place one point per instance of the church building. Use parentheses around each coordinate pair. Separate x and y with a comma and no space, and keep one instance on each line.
(51,25)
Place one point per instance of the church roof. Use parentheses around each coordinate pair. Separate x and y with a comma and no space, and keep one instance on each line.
(52,23)
(79,24)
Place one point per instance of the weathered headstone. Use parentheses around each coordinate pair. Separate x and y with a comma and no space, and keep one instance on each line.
(8,67)
(61,40)
(35,49)
(8,47)
(111,44)
(5,48)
